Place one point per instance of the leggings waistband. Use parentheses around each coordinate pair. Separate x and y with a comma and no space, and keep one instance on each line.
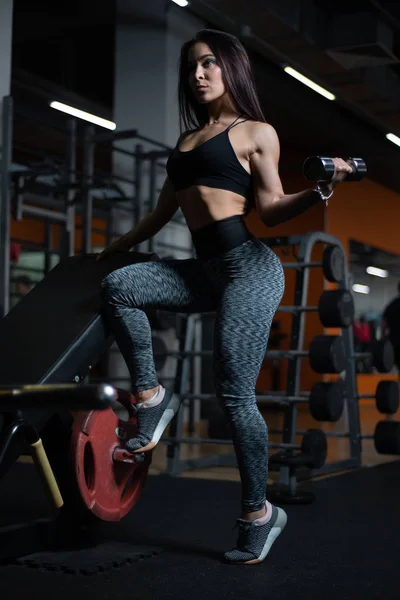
(220,237)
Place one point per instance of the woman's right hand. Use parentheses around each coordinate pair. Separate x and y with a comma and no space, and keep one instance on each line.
(123,244)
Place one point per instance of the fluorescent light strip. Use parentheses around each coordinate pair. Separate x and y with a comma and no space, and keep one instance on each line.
(360,289)
(377,272)
(81,114)
(393,138)
(182,3)
(314,86)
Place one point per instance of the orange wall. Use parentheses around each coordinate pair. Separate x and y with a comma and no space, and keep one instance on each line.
(33,230)
(28,229)
(367,212)
(311,220)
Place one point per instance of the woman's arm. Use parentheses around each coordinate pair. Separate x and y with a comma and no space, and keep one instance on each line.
(156,219)
(150,224)
(167,204)
(272,204)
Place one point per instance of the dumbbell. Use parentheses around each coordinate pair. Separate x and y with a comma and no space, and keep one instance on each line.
(322,168)
(386,439)
(312,455)
(327,354)
(326,399)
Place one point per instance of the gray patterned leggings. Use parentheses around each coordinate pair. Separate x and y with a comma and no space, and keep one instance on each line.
(244,286)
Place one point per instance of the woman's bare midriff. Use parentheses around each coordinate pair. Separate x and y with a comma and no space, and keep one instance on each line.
(203,205)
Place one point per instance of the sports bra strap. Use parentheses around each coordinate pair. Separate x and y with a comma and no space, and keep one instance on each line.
(236,123)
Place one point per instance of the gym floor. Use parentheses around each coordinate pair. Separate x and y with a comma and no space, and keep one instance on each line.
(344,546)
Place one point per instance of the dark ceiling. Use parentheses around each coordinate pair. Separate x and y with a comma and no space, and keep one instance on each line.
(351,47)
(69,42)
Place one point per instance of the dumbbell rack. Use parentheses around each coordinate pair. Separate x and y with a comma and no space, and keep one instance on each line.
(305,246)
(175,465)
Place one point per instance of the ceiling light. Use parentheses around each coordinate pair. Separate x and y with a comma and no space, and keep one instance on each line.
(393,138)
(360,289)
(377,272)
(182,3)
(314,86)
(81,114)
(109,391)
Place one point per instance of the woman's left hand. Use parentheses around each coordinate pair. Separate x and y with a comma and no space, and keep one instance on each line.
(342,169)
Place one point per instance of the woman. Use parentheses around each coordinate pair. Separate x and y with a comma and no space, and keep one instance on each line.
(224,164)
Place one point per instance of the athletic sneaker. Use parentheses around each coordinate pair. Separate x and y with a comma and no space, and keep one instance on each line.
(152,422)
(256,538)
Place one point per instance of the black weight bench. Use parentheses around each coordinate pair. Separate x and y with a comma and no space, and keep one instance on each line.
(56,332)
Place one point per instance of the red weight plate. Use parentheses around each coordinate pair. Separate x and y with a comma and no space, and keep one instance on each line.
(108,489)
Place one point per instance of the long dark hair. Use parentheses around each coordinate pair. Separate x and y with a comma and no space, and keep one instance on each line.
(237,76)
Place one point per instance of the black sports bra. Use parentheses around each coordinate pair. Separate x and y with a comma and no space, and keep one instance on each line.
(213,164)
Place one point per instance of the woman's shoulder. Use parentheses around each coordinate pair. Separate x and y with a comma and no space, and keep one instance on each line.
(184,134)
(262,134)
(261,127)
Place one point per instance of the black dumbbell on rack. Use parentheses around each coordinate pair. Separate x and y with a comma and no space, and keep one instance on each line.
(326,402)
(386,436)
(335,308)
(327,354)
(333,265)
(326,399)
(322,169)
(311,455)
